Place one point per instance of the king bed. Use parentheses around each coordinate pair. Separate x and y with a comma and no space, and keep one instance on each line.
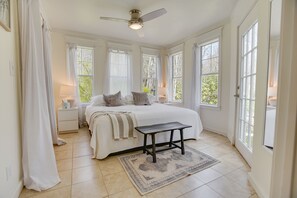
(104,143)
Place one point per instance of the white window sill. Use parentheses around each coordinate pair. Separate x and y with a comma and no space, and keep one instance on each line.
(178,104)
(84,104)
(210,107)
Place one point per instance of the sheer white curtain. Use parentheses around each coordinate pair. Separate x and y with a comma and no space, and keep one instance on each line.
(72,78)
(71,69)
(49,84)
(107,73)
(159,71)
(119,76)
(39,163)
(196,82)
(169,78)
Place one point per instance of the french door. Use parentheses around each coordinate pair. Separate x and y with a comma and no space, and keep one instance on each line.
(248,48)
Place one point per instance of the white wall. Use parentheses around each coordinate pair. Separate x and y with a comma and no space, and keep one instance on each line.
(10,141)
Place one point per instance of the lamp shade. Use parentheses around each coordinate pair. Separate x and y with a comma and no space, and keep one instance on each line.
(162,91)
(67,91)
(272,91)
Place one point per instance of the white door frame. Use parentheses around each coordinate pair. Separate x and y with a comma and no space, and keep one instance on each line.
(284,172)
(248,22)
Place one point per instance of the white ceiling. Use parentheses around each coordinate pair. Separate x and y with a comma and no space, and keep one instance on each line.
(183,18)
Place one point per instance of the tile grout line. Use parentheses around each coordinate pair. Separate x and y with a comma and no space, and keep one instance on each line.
(72,169)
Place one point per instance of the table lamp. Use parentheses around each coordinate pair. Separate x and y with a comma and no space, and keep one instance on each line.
(67,94)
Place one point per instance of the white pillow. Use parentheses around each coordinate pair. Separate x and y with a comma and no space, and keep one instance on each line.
(98,101)
(128,100)
(152,98)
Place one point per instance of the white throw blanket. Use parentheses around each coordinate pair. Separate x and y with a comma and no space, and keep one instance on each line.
(123,123)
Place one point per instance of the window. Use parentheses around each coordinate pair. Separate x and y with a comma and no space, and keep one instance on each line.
(209,71)
(84,71)
(119,63)
(150,73)
(176,84)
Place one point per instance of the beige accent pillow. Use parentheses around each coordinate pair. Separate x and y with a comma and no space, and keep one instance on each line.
(113,99)
(140,98)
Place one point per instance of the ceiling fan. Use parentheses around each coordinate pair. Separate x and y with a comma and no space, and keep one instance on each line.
(136,21)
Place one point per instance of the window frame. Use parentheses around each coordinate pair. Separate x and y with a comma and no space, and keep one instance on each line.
(84,75)
(120,51)
(202,44)
(157,72)
(170,98)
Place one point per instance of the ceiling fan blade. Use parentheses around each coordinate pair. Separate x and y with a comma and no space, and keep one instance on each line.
(154,14)
(114,19)
(140,33)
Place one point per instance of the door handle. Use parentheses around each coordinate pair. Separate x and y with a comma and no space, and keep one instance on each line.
(236,95)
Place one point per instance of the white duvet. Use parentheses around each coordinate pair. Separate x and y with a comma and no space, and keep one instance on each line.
(102,140)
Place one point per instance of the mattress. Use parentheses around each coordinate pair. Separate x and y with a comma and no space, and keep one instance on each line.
(102,140)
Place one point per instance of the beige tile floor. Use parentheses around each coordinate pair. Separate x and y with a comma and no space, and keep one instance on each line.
(81,176)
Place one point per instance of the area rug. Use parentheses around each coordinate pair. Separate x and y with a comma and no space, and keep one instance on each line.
(170,167)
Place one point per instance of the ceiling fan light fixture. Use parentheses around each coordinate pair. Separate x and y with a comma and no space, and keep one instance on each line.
(135,25)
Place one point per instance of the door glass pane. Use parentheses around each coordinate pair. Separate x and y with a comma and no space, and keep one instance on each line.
(249,41)
(254,61)
(255,35)
(248,86)
(253,90)
(244,66)
(241,129)
(246,134)
(252,121)
(242,110)
(248,64)
(247,111)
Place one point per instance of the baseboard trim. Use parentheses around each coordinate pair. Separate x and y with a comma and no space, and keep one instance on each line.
(18,190)
(215,131)
(256,187)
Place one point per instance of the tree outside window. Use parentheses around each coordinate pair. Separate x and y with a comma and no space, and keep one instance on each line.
(84,71)
(177,77)
(209,63)
(149,73)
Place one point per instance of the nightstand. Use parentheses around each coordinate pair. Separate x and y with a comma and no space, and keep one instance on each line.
(68,120)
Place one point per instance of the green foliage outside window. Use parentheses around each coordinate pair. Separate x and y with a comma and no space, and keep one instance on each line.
(177,73)
(209,90)
(178,90)
(149,73)
(85,73)
(146,89)
(85,88)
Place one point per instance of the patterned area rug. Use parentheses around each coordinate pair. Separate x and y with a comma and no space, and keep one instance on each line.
(170,167)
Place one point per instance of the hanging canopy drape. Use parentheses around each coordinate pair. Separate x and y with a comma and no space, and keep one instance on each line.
(48,81)
(196,83)
(73,81)
(39,163)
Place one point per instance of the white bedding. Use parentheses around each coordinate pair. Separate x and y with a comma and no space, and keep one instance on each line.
(102,140)
(270,126)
